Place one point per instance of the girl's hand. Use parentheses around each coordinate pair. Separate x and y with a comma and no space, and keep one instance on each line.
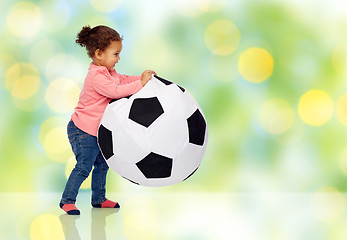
(146,76)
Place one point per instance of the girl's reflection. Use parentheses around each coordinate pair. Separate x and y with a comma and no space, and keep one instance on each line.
(98,224)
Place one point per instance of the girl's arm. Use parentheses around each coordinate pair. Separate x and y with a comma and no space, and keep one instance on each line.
(144,78)
(125,79)
(108,87)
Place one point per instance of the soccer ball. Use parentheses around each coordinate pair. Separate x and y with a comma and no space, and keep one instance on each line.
(156,137)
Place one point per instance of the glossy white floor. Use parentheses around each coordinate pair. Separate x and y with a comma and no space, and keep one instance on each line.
(178,216)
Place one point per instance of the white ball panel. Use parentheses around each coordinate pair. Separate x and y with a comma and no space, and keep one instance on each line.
(126,169)
(168,136)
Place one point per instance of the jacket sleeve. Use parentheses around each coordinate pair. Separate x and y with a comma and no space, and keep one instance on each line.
(108,86)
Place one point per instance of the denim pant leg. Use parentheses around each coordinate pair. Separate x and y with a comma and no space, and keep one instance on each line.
(86,150)
(99,179)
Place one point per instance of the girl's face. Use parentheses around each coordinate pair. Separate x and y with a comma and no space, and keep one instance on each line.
(110,56)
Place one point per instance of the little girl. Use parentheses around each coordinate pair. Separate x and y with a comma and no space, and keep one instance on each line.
(101,84)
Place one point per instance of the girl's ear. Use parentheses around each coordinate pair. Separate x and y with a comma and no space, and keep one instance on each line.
(98,54)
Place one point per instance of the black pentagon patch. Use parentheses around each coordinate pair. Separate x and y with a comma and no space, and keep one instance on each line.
(116,99)
(191,174)
(196,128)
(145,111)
(166,82)
(105,142)
(155,166)
(130,180)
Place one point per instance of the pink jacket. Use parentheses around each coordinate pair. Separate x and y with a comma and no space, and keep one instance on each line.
(100,87)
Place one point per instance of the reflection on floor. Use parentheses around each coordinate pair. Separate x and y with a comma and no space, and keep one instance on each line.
(98,224)
(176,216)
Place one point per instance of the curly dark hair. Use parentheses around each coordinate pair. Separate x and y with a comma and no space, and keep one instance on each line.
(99,37)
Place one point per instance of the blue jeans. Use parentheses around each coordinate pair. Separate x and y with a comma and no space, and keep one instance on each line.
(87,154)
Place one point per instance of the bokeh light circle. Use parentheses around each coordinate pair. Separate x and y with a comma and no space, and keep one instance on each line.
(276,116)
(46,227)
(222,37)
(256,64)
(328,203)
(315,107)
(70,166)
(341,109)
(62,95)
(22,80)
(105,5)
(53,138)
(24,19)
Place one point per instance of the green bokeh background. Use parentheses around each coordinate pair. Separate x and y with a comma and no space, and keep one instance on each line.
(169,37)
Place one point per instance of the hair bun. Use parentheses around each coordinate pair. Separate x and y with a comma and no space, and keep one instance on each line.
(83,36)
